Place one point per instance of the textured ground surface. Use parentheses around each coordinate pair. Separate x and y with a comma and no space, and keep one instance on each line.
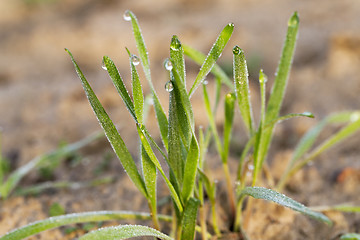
(42,103)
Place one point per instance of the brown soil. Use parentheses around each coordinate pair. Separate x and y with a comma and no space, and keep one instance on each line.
(42,103)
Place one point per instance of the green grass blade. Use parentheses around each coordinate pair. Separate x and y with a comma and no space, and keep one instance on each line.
(155,161)
(124,232)
(119,85)
(287,117)
(191,166)
(199,58)
(144,57)
(177,57)
(150,176)
(277,93)
(54,222)
(111,132)
(189,219)
(262,81)
(271,195)
(283,70)
(350,236)
(213,56)
(242,90)
(230,100)
(138,95)
(176,161)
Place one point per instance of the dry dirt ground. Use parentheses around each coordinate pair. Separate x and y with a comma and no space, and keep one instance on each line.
(42,103)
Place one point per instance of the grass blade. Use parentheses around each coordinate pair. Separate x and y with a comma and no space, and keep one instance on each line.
(138,95)
(229,118)
(54,222)
(124,232)
(191,166)
(144,57)
(119,85)
(213,56)
(177,57)
(271,195)
(350,236)
(277,93)
(242,90)
(155,161)
(189,219)
(111,132)
(282,74)
(199,58)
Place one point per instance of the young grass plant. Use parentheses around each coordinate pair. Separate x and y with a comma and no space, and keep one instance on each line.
(184,151)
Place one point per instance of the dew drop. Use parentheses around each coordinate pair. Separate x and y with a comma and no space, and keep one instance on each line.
(175,44)
(237,50)
(135,60)
(127,16)
(103,65)
(205,82)
(251,167)
(168,65)
(169,86)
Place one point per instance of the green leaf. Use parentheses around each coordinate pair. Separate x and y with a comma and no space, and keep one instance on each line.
(288,116)
(191,166)
(242,90)
(350,236)
(177,57)
(110,131)
(271,195)
(156,162)
(213,56)
(199,58)
(278,90)
(138,96)
(56,209)
(189,219)
(229,118)
(124,232)
(54,222)
(282,74)
(143,54)
(119,85)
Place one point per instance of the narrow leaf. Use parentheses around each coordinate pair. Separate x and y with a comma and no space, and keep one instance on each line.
(189,219)
(177,56)
(213,56)
(199,58)
(84,217)
(350,236)
(229,118)
(119,85)
(271,195)
(124,232)
(242,91)
(111,132)
(191,166)
(144,57)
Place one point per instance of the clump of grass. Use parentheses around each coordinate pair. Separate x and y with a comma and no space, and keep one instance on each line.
(184,146)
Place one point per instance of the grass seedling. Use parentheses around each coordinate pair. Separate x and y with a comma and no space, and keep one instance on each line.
(184,151)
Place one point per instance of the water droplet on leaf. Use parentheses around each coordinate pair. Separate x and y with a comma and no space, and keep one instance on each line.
(169,86)
(127,16)
(168,65)
(135,60)
(237,50)
(175,44)
(205,82)
(103,66)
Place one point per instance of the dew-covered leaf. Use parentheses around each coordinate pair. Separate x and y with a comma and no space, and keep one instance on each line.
(213,56)
(271,195)
(124,232)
